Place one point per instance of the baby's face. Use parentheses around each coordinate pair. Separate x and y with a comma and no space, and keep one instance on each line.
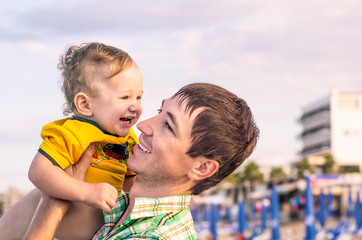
(117,104)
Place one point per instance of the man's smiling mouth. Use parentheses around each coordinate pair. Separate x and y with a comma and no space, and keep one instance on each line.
(143,148)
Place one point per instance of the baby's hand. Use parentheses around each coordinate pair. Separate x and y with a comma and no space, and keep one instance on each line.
(102,195)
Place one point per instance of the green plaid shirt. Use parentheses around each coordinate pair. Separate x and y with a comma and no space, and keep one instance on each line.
(150,218)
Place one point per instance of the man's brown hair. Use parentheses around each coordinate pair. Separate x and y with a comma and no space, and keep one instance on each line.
(224,131)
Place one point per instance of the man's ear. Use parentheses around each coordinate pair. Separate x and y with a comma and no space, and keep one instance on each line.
(203,168)
(83,104)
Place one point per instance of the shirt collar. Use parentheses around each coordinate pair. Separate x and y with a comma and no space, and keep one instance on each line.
(149,207)
(146,207)
(82,119)
(116,213)
(143,208)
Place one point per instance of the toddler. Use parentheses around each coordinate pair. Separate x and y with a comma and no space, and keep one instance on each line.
(103,90)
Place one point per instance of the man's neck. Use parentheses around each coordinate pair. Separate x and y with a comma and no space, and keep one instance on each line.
(139,190)
(161,190)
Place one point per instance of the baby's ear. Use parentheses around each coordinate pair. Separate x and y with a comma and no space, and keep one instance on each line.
(203,168)
(83,104)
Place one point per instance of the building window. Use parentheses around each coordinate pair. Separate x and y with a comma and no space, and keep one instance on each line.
(348,103)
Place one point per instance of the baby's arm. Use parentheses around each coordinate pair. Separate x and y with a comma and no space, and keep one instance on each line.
(55,182)
(51,211)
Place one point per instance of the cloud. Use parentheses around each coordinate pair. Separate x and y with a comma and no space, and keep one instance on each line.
(275,54)
(129,16)
(11,34)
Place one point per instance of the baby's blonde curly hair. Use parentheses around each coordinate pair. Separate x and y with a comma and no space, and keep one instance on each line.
(82,65)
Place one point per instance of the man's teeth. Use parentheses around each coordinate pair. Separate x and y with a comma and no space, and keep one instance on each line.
(144,148)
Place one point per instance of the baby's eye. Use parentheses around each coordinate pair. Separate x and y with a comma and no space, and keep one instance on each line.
(124,97)
(139,98)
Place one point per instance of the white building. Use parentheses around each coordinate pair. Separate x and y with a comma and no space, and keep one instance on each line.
(333,125)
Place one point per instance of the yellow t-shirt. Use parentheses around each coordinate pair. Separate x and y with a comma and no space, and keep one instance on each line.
(65,140)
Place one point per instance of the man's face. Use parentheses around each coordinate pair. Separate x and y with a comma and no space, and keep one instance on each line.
(160,158)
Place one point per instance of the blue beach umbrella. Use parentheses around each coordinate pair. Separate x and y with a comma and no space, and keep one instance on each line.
(358,211)
(350,203)
(205,214)
(252,210)
(241,221)
(330,203)
(213,221)
(322,210)
(309,218)
(218,213)
(263,216)
(195,214)
(275,220)
(228,215)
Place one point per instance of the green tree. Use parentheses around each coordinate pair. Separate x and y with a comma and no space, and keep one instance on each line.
(277,173)
(328,165)
(303,167)
(252,173)
(235,178)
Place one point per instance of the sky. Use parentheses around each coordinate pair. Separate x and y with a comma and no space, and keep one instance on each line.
(277,55)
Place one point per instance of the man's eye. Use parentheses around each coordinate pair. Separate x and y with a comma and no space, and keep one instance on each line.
(168,126)
(159,110)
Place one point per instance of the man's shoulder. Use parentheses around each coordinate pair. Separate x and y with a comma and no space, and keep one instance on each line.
(164,227)
(174,225)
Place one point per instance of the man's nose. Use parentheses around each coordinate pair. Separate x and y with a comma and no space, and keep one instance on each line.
(145,126)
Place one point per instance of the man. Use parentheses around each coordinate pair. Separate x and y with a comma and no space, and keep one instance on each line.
(200,136)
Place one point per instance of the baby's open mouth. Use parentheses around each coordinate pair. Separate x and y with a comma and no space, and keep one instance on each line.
(127,119)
